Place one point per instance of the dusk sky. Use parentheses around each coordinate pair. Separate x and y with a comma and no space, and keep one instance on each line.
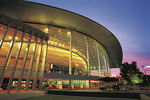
(128,20)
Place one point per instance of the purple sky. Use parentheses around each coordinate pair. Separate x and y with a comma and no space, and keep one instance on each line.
(128,20)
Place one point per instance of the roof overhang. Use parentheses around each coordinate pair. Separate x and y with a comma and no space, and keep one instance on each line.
(43,14)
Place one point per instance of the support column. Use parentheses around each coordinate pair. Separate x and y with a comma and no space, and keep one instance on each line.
(69,84)
(37,66)
(31,63)
(88,62)
(43,65)
(99,66)
(24,63)
(8,56)
(105,65)
(89,84)
(70,59)
(15,63)
(5,35)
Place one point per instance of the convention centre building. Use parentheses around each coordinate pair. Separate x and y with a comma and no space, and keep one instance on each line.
(41,45)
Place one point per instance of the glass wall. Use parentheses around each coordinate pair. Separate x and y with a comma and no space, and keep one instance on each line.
(69,52)
(84,52)
(21,56)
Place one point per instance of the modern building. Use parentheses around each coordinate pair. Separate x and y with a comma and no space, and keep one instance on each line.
(44,45)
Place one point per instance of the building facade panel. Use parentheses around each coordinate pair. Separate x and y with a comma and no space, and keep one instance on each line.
(51,49)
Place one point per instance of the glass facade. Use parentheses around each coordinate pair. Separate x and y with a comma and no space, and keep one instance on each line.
(68,48)
(25,57)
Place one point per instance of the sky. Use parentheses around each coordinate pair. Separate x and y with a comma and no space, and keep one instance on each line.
(128,20)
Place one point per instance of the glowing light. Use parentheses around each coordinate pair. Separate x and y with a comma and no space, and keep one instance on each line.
(48,41)
(46,29)
(147,66)
(56,43)
(52,42)
(60,44)
(59,30)
(63,45)
(9,37)
(19,45)
(68,32)
(11,43)
(16,37)
(1,28)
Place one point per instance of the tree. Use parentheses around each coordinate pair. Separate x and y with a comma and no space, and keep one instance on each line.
(130,73)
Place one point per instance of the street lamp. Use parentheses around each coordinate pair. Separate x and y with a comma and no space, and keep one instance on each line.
(145,73)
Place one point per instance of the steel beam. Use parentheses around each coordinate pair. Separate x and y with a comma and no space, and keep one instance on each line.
(15,63)
(37,65)
(8,56)
(43,65)
(24,63)
(31,64)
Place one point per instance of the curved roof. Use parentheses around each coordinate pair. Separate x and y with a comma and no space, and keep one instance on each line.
(44,14)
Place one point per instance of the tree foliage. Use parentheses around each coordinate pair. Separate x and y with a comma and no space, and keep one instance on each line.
(130,73)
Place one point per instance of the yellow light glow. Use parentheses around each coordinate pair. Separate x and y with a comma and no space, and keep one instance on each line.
(56,43)
(59,30)
(60,44)
(46,29)
(52,42)
(68,32)
(63,45)
(48,41)
(16,37)
(9,37)
(1,28)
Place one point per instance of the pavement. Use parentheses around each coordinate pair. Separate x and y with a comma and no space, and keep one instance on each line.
(20,95)
(40,95)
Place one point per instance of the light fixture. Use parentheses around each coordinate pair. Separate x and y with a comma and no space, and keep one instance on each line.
(59,30)
(1,28)
(63,45)
(60,44)
(55,42)
(52,42)
(48,41)
(46,29)
(16,37)
(68,32)
(9,37)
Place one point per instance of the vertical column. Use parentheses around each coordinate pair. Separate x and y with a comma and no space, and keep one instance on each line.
(31,63)
(37,66)
(99,66)
(69,84)
(43,65)
(89,84)
(88,62)
(15,63)
(5,35)
(105,65)
(24,63)
(8,56)
(70,59)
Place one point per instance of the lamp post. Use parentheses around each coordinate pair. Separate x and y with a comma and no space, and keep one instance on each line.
(145,74)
